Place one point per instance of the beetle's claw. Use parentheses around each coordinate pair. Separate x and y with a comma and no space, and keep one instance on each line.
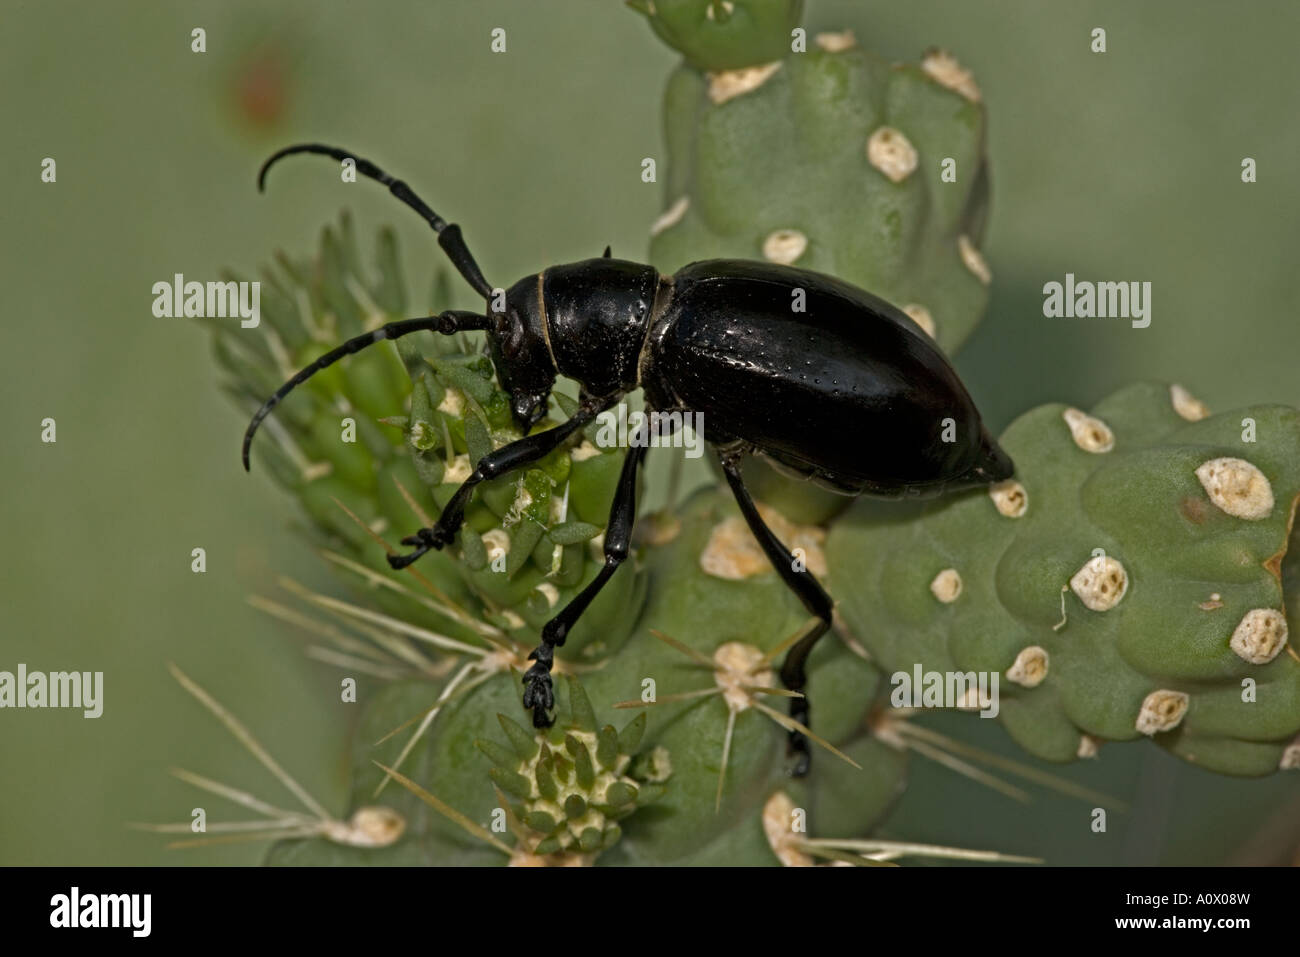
(398,562)
(539,695)
(424,540)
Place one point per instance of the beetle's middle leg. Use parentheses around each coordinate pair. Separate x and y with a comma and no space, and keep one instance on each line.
(802,582)
(496,463)
(538,693)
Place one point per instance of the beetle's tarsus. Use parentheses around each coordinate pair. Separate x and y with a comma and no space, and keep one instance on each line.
(539,692)
(398,562)
(425,540)
(431,537)
(797,743)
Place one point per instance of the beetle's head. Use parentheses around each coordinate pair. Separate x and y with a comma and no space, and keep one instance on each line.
(517,344)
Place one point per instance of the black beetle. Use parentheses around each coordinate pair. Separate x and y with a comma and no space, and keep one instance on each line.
(847,392)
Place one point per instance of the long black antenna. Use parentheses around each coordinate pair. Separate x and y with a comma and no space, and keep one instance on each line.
(449,237)
(448,323)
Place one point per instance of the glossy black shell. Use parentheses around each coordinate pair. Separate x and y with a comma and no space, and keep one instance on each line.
(849,393)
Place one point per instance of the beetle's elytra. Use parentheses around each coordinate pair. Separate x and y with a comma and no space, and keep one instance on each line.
(848,392)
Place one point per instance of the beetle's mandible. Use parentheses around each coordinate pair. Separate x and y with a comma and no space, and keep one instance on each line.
(848,393)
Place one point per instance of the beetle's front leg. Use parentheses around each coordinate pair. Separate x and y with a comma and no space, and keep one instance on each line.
(516,455)
(538,694)
(801,581)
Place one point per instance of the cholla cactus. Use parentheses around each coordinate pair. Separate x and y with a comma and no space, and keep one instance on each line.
(1131,581)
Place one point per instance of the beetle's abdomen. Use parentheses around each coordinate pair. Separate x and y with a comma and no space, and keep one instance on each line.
(848,392)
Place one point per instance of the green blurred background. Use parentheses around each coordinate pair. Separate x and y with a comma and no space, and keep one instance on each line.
(1118,166)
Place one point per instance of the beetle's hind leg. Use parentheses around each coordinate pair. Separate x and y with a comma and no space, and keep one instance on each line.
(802,582)
(538,693)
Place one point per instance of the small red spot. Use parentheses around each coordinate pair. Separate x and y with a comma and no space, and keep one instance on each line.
(261,87)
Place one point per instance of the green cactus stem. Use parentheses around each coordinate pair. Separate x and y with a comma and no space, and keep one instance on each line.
(723,34)
(1130,582)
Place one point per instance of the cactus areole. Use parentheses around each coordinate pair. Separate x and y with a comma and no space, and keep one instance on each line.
(823,379)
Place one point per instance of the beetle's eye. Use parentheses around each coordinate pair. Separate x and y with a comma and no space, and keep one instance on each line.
(514,340)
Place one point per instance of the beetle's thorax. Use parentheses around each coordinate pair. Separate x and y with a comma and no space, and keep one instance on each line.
(595,315)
